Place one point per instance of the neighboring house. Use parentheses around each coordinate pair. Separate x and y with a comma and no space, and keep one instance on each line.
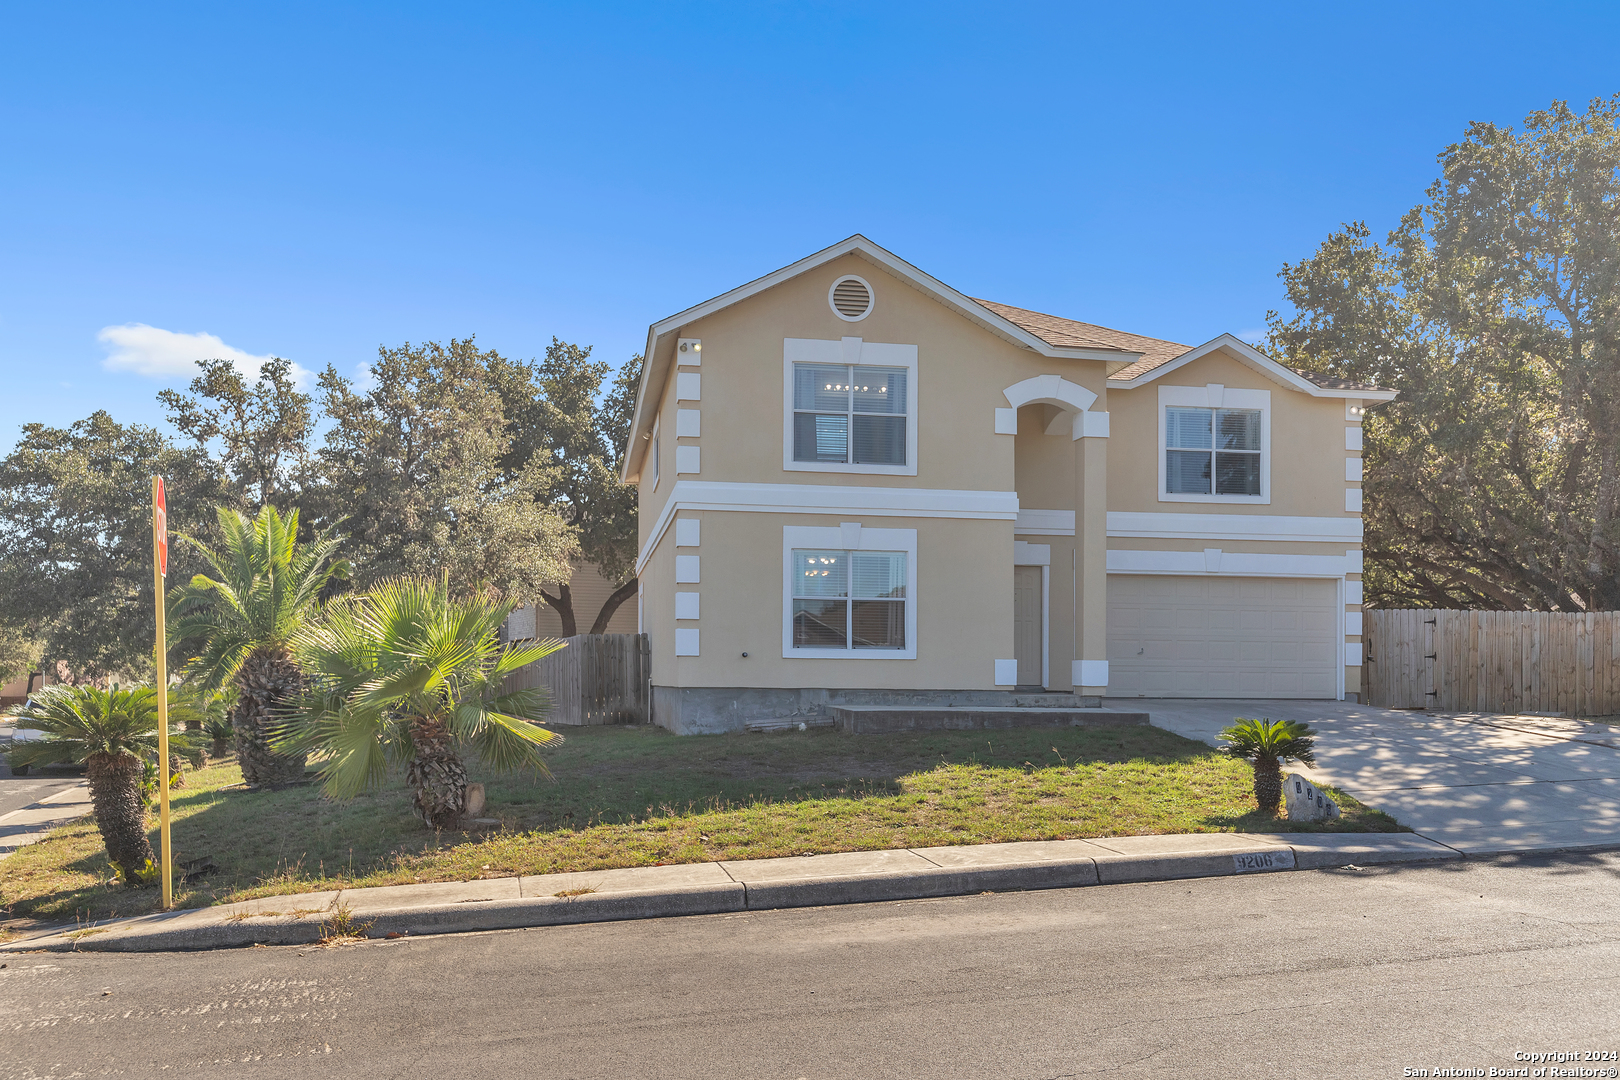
(589,590)
(17,690)
(858,485)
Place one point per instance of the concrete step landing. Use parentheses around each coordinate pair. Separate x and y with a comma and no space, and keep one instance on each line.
(877,719)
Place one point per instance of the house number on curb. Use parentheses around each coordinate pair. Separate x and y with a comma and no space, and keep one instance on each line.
(1263,860)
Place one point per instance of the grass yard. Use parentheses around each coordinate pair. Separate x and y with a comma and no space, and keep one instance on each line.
(639,796)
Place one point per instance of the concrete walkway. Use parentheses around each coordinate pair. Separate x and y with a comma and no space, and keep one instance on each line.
(720,887)
(1476,782)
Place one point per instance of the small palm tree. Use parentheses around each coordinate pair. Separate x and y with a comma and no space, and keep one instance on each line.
(243,619)
(114,734)
(405,673)
(1266,745)
(207,714)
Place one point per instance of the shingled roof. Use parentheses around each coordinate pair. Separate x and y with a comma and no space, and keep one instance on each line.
(1155,351)
(1068,332)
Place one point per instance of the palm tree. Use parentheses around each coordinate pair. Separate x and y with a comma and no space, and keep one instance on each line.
(405,673)
(114,733)
(1267,744)
(266,585)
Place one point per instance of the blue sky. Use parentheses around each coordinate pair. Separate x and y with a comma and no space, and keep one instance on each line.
(314,181)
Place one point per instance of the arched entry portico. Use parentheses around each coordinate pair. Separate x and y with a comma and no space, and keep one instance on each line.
(1079,568)
(1072,400)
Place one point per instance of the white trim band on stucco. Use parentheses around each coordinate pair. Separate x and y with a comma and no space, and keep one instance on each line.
(828,499)
(1230,563)
(1025,554)
(1044,522)
(1172,526)
(1006,673)
(1193,526)
(1088,673)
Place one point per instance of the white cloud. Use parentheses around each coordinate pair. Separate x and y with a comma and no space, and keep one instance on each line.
(148,350)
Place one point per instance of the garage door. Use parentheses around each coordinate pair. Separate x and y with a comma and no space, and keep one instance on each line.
(1222,637)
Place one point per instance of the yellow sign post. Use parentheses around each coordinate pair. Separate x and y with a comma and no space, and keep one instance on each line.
(160,570)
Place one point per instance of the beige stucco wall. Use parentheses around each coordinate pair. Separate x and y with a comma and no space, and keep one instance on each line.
(964,606)
(1307,446)
(1307,465)
(964,566)
(962,371)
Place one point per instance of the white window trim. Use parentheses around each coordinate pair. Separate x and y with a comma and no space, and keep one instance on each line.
(655,455)
(850,350)
(803,536)
(1216,396)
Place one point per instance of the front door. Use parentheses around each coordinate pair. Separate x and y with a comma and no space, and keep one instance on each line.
(1027,625)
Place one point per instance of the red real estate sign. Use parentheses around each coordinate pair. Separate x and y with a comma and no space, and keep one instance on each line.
(161,528)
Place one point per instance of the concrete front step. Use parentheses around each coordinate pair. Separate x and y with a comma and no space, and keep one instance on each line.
(878,719)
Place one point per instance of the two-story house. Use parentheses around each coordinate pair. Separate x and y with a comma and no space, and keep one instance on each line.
(859,486)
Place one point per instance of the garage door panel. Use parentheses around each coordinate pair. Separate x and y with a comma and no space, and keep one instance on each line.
(1189,636)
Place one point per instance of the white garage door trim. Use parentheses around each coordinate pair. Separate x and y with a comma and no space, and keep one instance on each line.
(1339,593)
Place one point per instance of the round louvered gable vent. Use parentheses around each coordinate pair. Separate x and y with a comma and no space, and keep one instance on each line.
(851,298)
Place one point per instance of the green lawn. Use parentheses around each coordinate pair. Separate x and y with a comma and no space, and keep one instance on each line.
(639,796)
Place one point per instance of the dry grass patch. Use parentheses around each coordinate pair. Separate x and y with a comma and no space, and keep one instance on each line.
(639,797)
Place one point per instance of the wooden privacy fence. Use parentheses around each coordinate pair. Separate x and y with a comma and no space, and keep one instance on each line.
(1494,661)
(597,679)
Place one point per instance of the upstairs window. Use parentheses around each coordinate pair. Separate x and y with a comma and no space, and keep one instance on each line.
(1212,451)
(849,414)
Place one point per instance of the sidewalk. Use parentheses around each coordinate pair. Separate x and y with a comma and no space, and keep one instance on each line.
(32,823)
(718,887)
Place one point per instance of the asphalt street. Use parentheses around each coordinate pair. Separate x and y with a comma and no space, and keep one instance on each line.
(1321,973)
(17,792)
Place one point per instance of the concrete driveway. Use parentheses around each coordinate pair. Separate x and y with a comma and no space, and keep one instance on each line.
(1478,783)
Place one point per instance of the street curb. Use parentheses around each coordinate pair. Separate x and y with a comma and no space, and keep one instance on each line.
(715,888)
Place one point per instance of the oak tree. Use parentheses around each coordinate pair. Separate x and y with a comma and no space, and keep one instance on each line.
(1493,481)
